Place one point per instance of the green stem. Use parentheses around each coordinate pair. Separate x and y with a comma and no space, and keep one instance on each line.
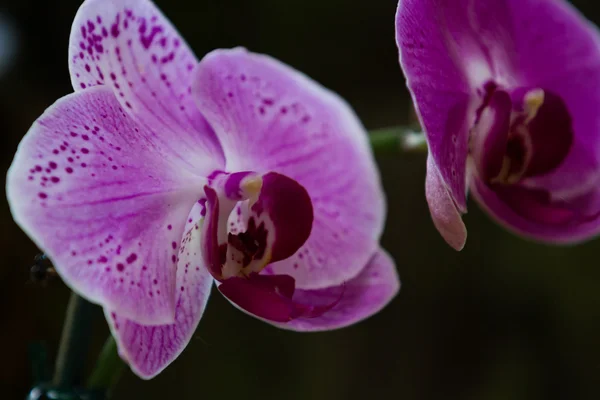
(109,367)
(397,140)
(74,342)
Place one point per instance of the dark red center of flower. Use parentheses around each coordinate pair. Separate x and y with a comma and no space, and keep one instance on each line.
(277,215)
(520,135)
(252,243)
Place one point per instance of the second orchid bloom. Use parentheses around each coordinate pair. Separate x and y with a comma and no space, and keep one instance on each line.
(508,93)
(161,175)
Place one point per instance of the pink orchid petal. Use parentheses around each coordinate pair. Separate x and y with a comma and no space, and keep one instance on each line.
(444,65)
(533,214)
(361,297)
(445,215)
(150,349)
(270,117)
(132,48)
(106,203)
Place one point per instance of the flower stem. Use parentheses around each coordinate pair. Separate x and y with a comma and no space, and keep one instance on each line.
(74,342)
(397,140)
(109,367)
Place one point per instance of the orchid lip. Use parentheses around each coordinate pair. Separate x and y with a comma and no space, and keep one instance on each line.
(243,252)
(273,220)
(519,134)
(270,297)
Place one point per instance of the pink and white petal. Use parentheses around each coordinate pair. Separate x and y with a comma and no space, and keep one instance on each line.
(105,202)
(270,117)
(150,349)
(131,47)
(198,212)
(365,295)
(444,213)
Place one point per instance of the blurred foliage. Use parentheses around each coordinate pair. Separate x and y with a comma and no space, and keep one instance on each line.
(504,319)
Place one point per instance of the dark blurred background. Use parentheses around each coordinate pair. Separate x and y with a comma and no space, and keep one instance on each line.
(504,319)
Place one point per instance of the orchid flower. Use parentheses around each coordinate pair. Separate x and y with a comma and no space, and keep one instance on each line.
(160,175)
(507,92)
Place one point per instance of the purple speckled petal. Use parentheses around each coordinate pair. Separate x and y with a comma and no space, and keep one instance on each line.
(445,215)
(150,349)
(361,297)
(198,212)
(131,47)
(272,118)
(108,205)
(534,214)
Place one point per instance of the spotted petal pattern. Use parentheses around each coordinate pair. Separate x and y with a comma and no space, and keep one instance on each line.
(150,349)
(131,47)
(105,202)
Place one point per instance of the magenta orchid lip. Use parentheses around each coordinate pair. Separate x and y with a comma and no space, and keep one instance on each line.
(507,93)
(162,175)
